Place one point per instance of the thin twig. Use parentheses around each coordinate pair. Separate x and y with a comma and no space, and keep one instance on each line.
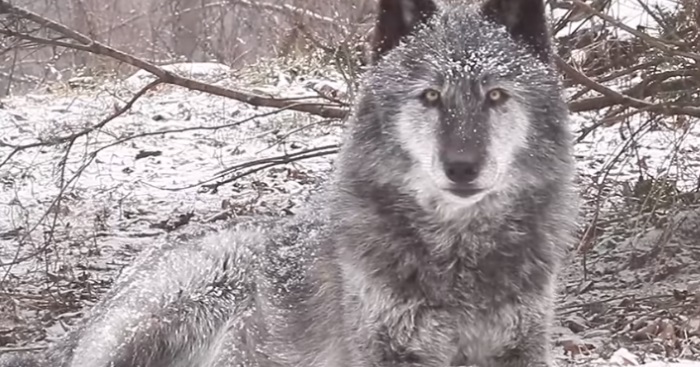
(4,350)
(653,41)
(265,163)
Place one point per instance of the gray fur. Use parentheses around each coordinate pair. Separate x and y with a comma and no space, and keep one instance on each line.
(395,264)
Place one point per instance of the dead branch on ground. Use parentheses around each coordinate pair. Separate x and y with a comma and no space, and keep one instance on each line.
(87,44)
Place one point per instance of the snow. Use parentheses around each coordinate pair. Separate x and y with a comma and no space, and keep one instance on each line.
(630,12)
(623,357)
(116,198)
(664,151)
(197,135)
(203,71)
(680,363)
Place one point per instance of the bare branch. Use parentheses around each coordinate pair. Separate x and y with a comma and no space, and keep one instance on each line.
(265,163)
(657,43)
(289,9)
(97,48)
(611,97)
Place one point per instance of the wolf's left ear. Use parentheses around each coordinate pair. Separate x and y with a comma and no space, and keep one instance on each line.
(395,20)
(525,20)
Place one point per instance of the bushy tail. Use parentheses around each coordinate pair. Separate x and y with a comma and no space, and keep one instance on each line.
(168,309)
(23,359)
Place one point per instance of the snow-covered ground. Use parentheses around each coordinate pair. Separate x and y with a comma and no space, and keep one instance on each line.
(139,179)
(186,138)
(116,201)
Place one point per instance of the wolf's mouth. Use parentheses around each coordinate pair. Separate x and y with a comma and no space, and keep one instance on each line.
(464,191)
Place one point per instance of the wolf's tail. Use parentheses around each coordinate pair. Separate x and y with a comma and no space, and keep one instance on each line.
(168,309)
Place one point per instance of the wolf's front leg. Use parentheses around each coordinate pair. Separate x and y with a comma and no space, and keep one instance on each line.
(533,350)
(426,348)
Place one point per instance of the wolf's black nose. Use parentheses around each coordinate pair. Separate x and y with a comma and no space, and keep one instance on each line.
(461,168)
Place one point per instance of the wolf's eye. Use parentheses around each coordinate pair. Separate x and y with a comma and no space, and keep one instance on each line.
(431,97)
(496,96)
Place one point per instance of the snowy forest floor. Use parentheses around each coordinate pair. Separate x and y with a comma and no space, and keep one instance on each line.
(633,281)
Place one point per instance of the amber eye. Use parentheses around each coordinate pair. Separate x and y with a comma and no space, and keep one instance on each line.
(431,97)
(496,96)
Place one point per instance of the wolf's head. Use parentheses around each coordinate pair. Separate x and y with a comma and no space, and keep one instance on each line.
(462,102)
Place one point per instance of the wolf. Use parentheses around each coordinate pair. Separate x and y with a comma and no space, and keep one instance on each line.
(436,243)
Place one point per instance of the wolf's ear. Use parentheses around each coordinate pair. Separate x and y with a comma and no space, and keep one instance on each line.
(395,20)
(525,20)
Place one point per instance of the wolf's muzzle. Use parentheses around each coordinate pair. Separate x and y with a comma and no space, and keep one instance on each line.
(462,169)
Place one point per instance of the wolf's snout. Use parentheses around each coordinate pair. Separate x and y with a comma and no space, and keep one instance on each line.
(461,168)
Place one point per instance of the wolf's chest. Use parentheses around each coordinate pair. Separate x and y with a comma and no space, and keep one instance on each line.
(412,331)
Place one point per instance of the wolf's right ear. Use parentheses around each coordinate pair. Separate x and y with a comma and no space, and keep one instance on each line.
(526,21)
(395,20)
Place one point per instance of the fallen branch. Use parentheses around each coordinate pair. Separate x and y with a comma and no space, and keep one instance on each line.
(167,77)
(653,41)
(611,97)
(4,350)
(265,163)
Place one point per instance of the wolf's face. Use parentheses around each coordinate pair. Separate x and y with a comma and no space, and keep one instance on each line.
(462,127)
(472,103)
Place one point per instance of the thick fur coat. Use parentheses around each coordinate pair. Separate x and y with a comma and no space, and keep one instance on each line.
(437,243)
